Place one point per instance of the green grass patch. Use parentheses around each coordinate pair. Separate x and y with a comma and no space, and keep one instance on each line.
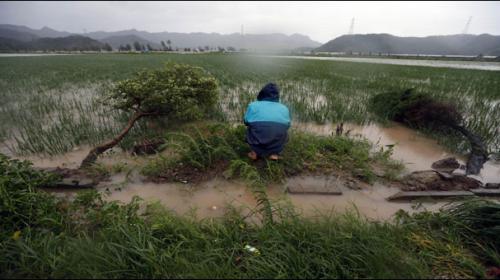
(216,148)
(91,238)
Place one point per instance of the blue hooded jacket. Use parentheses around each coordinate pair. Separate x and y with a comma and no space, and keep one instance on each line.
(268,121)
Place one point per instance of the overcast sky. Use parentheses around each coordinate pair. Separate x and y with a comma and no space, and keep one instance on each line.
(321,21)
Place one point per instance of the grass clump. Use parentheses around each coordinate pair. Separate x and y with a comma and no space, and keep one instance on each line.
(90,238)
(21,205)
(213,149)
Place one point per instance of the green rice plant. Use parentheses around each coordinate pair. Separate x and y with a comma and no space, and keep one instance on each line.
(319,91)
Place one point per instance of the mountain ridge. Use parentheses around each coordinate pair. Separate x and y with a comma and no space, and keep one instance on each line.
(274,41)
(458,44)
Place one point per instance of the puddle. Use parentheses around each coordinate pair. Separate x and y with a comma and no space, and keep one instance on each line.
(208,200)
(211,199)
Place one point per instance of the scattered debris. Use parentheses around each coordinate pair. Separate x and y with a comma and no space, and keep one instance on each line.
(252,250)
(430,180)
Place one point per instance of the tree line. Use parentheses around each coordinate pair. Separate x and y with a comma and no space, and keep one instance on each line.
(167,46)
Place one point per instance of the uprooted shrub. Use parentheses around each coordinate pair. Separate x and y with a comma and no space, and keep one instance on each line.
(420,110)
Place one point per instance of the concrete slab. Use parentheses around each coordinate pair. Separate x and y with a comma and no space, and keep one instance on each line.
(74,183)
(433,194)
(321,185)
(486,192)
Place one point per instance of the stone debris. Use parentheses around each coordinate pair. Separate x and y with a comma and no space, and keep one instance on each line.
(430,180)
(446,165)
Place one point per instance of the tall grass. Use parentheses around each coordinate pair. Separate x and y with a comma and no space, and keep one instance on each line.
(47,98)
(91,238)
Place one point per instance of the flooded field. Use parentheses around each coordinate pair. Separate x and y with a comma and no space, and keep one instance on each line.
(212,198)
(67,117)
(478,65)
(416,151)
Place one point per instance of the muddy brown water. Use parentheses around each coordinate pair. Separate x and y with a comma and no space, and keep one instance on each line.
(416,151)
(211,199)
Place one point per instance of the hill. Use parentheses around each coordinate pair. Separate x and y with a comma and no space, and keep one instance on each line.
(70,43)
(122,40)
(38,33)
(275,41)
(438,45)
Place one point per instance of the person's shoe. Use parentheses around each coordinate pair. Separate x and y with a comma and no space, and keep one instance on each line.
(274,157)
(252,155)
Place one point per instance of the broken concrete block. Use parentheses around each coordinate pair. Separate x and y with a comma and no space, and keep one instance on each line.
(433,194)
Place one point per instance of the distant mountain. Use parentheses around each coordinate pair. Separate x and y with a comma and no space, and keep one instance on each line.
(70,43)
(439,45)
(43,32)
(17,35)
(275,41)
(122,40)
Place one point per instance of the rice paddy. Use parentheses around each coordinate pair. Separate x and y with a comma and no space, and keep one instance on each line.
(52,104)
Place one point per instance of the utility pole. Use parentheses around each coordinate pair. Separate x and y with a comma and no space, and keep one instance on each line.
(351,28)
(466,28)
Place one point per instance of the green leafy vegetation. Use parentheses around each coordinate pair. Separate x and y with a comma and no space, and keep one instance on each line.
(89,237)
(178,92)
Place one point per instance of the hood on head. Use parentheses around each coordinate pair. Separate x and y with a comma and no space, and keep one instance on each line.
(269,92)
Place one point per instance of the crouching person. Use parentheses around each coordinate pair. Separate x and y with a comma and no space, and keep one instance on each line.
(267,122)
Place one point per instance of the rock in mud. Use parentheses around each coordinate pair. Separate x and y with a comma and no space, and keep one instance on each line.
(352,184)
(446,165)
(430,180)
